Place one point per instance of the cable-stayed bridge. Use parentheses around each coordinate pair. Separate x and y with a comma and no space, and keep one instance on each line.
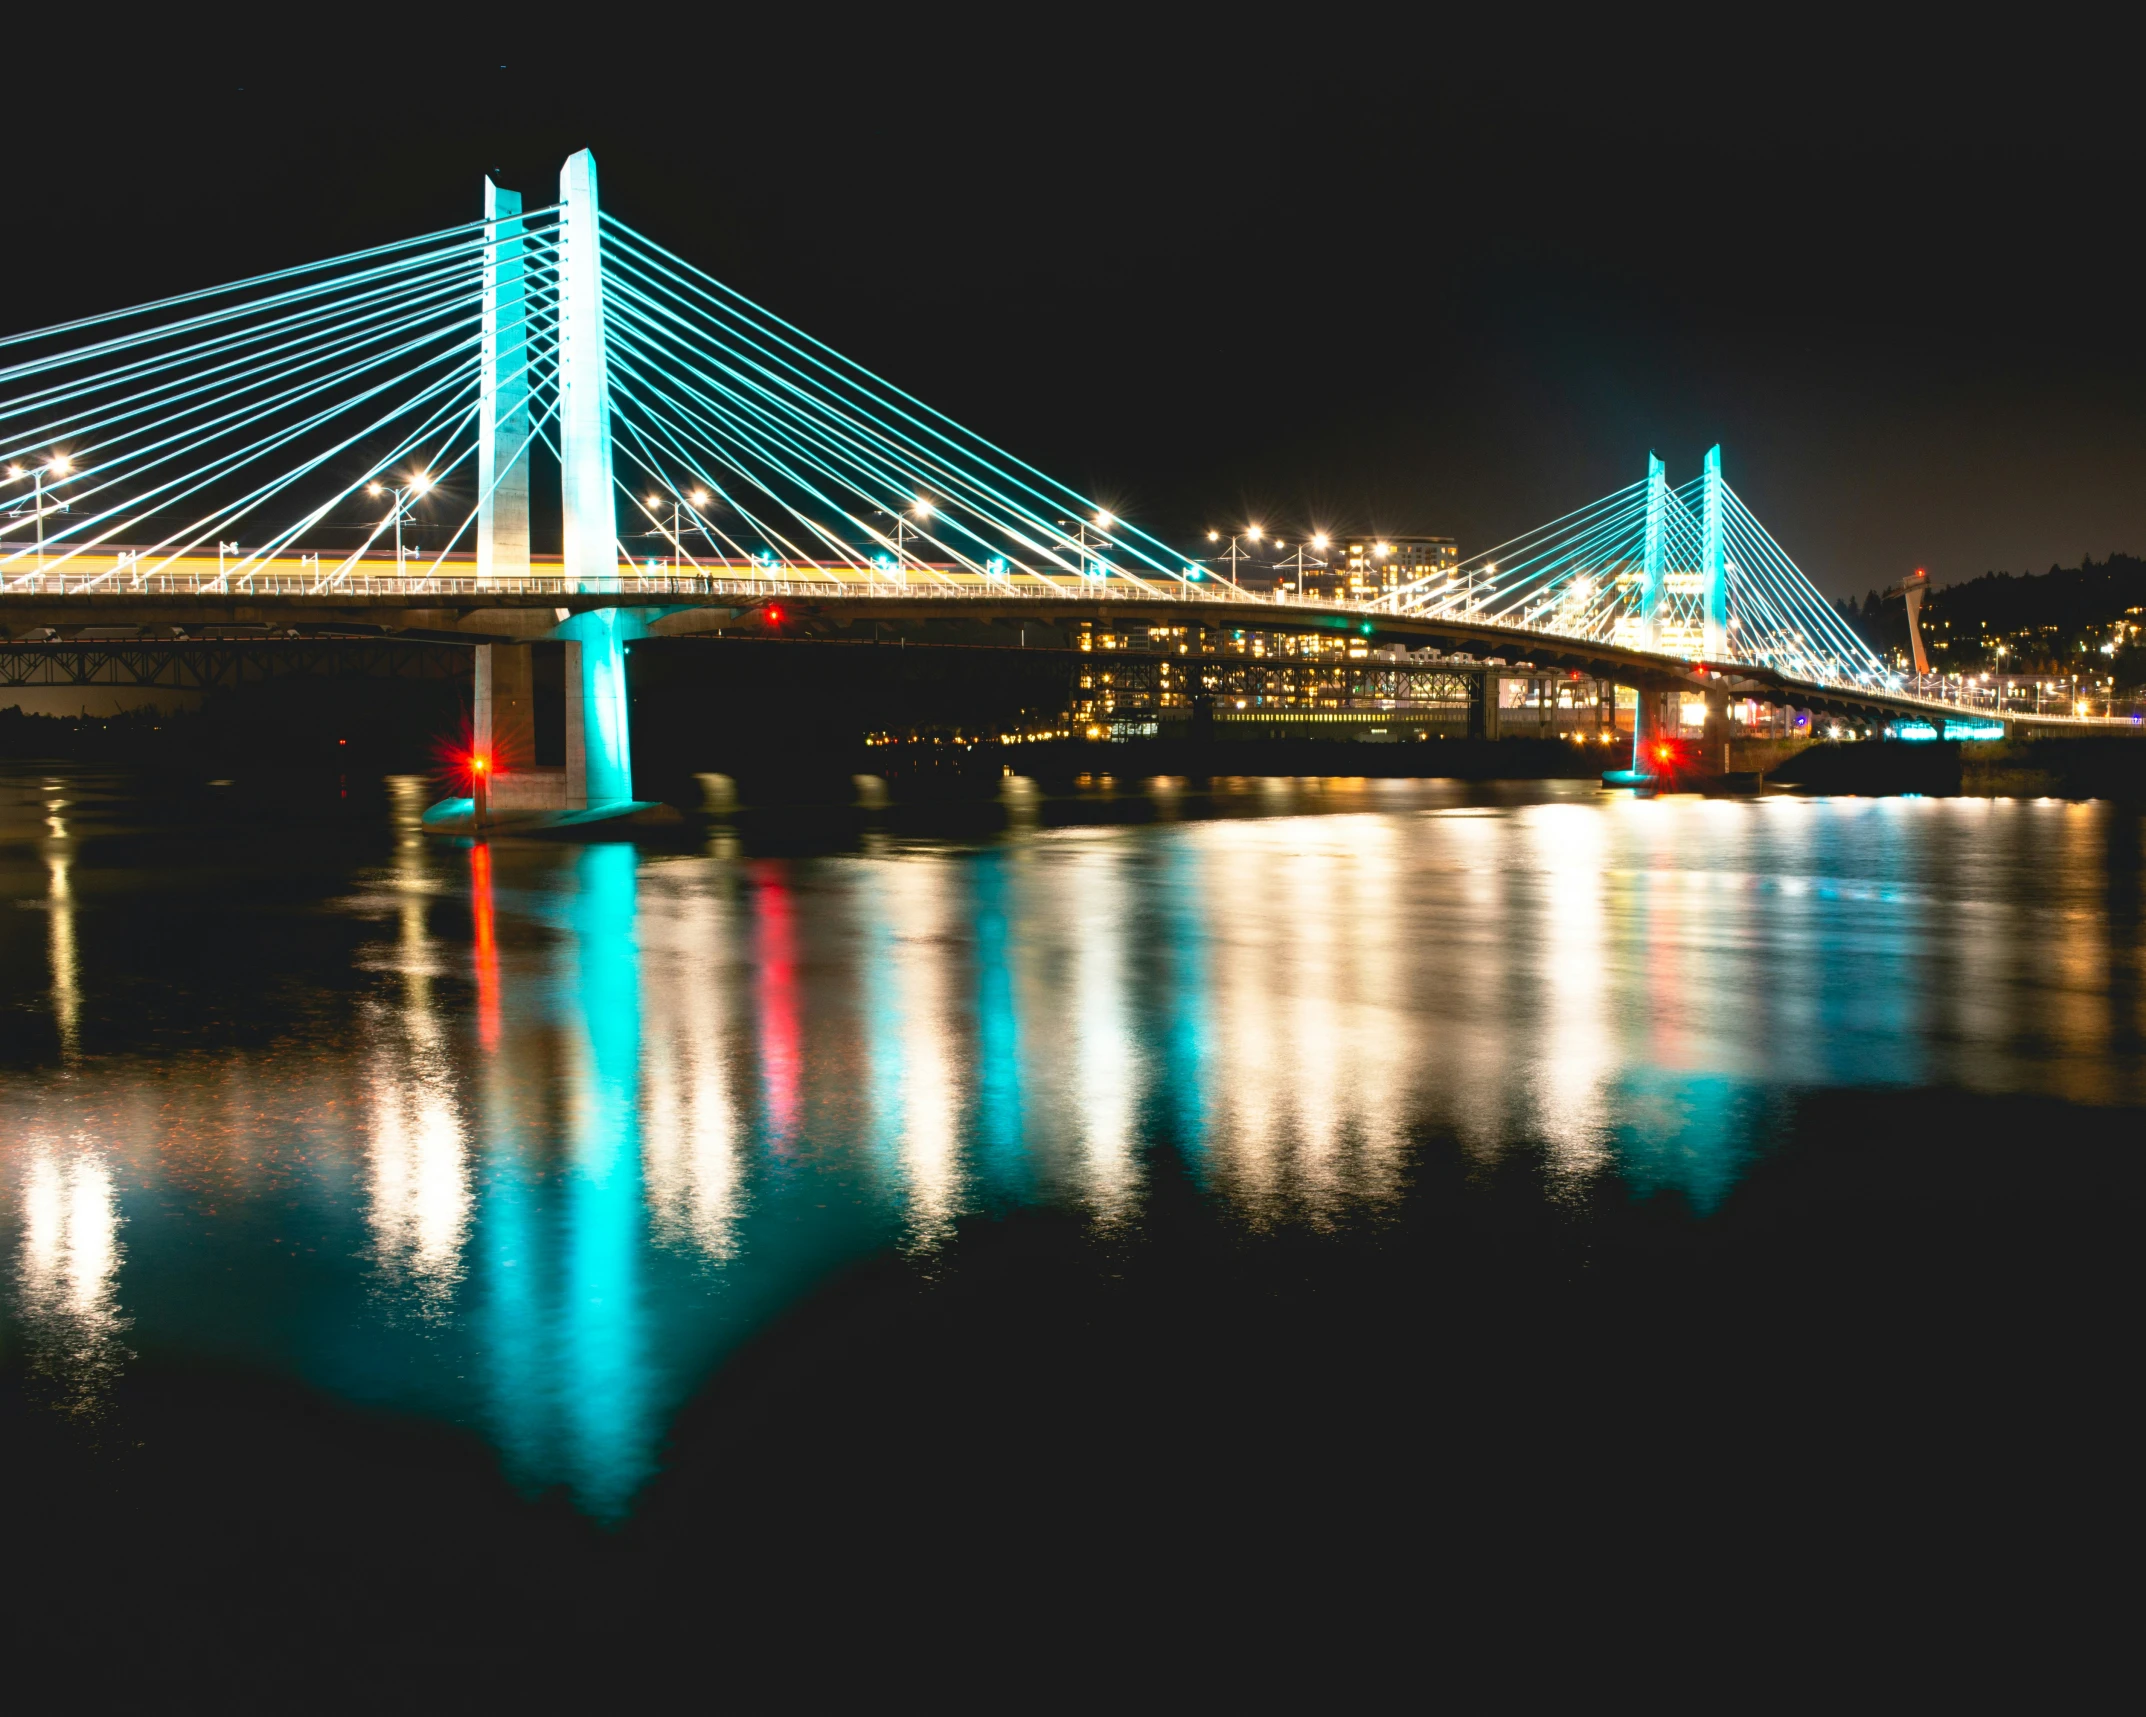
(270,453)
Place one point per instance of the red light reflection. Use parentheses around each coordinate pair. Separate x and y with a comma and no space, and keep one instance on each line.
(781,1055)
(487,949)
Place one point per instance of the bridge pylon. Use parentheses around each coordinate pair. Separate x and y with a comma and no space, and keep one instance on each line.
(503,393)
(1713,564)
(1653,573)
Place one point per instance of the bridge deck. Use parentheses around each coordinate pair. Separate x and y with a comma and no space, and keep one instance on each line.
(448,600)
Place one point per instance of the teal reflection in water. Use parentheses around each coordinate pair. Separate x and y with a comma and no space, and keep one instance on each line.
(532,1138)
(607,1388)
(1001,1135)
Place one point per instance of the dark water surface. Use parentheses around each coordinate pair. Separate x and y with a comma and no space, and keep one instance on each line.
(1303,1087)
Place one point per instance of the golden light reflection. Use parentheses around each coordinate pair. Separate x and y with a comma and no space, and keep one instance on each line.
(67,1276)
(66,968)
(417,1144)
(1578,1053)
(1310,1009)
(1105,1056)
(918,1091)
(692,1142)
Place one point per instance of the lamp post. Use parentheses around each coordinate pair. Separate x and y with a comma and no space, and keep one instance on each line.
(57,468)
(1318,542)
(920,508)
(404,494)
(1101,525)
(697,500)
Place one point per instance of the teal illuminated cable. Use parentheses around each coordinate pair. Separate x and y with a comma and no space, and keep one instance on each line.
(98,431)
(940,477)
(161,331)
(209,525)
(226,387)
(260,410)
(188,484)
(1057,494)
(319,322)
(767,531)
(760,446)
(191,482)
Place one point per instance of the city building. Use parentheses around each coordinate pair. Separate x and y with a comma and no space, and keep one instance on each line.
(1360,567)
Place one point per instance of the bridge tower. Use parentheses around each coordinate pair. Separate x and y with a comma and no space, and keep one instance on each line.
(590,507)
(1653,581)
(1713,563)
(503,393)
(1652,576)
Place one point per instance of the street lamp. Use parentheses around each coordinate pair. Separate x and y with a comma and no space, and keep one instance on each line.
(57,468)
(404,495)
(1318,542)
(1235,555)
(921,508)
(1100,524)
(697,500)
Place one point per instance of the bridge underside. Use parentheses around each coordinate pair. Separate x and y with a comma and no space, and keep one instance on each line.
(1206,627)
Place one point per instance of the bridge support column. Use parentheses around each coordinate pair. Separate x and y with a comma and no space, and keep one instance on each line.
(1483,704)
(506,706)
(1716,741)
(503,395)
(599,738)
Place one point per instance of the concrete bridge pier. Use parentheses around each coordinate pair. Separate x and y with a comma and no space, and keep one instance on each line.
(595,781)
(1715,736)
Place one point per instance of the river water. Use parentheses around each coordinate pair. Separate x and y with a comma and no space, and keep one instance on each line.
(529,1139)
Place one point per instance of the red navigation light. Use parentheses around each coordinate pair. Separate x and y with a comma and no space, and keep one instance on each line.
(480,763)
(774,616)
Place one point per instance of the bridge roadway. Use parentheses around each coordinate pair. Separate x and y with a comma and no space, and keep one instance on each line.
(96,601)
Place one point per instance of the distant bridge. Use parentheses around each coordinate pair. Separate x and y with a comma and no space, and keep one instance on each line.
(786,488)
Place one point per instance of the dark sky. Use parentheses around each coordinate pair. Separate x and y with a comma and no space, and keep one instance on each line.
(1426,279)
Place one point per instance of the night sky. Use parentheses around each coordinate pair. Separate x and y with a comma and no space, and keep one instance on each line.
(1417,282)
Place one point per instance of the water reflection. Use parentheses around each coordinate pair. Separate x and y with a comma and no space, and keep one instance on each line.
(693,1132)
(60,907)
(417,1144)
(67,1275)
(910,1021)
(589,1117)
